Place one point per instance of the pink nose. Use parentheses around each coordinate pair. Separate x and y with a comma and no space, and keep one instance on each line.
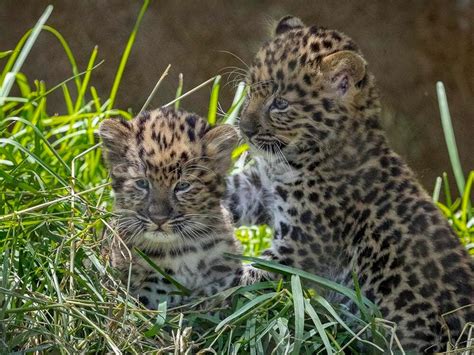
(159,220)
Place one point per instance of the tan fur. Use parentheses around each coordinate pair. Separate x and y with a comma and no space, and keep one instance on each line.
(337,196)
(167,170)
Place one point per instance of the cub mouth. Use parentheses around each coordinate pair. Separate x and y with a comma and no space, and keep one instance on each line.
(267,143)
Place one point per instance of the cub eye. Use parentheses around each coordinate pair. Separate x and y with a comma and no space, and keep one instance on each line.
(279,103)
(182,186)
(143,184)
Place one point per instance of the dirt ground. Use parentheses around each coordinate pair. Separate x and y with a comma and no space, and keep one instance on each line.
(409,46)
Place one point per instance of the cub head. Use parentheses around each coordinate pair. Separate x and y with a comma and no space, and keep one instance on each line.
(167,169)
(308,88)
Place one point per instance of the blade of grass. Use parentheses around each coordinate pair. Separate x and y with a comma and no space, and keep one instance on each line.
(153,92)
(286,270)
(179,286)
(96,99)
(447,191)
(49,203)
(126,54)
(237,102)
(237,152)
(4,54)
(10,77)
(67,99)
(35,158)
(190,91)
(85,83)
(42,137)
(298,303)
(179,91)
(449,137)
(465,205)
(319,326)
(437,189)
(212,114)
(160,321)
(68,52)
(325,304)
(249,305)
(57,86)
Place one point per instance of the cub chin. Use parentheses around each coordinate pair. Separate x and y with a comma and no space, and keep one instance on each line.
(168,177)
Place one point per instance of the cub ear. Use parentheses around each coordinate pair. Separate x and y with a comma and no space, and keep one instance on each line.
(344,69)
(288,23)
(115,135)
(220,142)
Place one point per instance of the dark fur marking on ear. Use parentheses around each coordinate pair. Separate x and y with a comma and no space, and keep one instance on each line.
(362,83)
(288,23)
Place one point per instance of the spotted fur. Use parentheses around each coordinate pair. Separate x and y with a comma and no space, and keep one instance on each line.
(338,198)
(167,171)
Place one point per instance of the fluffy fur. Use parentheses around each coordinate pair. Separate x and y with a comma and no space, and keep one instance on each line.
(167,171)
(338,198)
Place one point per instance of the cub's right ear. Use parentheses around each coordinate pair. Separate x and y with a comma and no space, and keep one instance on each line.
(221,141)
(288,23)
(115,134)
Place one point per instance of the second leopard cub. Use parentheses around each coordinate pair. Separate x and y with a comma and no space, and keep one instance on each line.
(339,199)
(167,169)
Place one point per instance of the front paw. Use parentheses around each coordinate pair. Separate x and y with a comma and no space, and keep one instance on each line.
(252,275)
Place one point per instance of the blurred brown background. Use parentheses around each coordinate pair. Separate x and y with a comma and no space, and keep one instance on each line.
(409,45)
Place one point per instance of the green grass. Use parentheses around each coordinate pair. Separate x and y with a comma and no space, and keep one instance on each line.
(57,290)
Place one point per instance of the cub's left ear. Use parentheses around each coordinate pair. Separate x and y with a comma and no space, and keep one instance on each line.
(344,69)
(220,142)
(288,23)
(115,134)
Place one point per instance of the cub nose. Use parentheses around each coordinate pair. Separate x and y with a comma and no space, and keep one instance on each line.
(248,128)
(159,220)
(159,213)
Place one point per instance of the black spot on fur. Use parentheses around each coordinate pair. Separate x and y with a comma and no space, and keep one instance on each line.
(404,298)
(282,192)
(292,65)
(191,135)
(328,104)
(327,44)
(391,282)
(298,194)
(315,47)
(430,270)
(144,300)
(305,217)
(284,228)
(221,268)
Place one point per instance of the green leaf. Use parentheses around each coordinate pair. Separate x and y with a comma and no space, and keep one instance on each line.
(287,270)
(239,99)
(126,54)
(319,326)
(5,54)
(449,136)
(9,78)
(213,102)
(298,303)
(179,91)
(159,322)
(249,305)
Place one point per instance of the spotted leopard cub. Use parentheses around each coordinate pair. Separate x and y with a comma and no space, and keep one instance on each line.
(338,198)
(167,171)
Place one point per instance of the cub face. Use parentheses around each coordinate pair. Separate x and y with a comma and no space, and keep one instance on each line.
(306,86)
(167,171)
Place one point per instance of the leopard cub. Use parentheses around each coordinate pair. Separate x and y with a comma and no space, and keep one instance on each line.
(339,199)
(167,169)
